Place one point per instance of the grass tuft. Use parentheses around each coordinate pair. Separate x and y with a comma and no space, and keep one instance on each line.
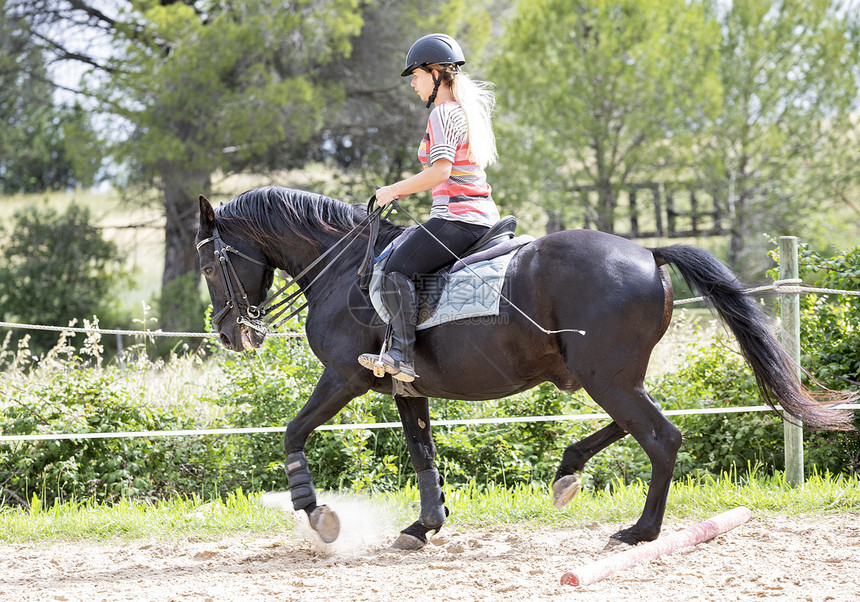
(471,506)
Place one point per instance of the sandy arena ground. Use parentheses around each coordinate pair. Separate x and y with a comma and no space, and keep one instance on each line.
(798,558)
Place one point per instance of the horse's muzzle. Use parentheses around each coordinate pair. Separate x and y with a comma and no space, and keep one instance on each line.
(241,339)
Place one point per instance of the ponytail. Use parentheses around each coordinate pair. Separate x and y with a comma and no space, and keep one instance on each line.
(477,101)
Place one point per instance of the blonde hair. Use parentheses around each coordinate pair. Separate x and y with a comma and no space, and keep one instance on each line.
(477,100)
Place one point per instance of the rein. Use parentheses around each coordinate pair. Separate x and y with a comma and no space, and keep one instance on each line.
(254,314)
(375,214)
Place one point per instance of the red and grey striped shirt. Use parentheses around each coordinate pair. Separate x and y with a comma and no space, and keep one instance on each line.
(465,196)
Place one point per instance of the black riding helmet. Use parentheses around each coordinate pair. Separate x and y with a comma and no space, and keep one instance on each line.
(432,49)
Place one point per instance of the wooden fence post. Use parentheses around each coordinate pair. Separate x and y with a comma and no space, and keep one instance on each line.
(790,312)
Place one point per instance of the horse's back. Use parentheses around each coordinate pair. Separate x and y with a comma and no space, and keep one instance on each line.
(604,285)
(608,286)
(589,267)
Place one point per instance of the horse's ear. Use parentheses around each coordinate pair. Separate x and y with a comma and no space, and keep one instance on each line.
(207,216)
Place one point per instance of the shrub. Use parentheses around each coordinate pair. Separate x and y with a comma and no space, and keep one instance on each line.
(74,399)
(57,268)
(717,376)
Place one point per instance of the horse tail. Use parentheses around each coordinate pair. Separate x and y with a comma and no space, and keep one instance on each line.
(774,370)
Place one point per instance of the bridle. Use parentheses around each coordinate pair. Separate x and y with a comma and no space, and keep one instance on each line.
(262,317)
(240,302)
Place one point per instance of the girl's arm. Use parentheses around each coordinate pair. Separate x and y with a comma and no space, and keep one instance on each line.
(425,180)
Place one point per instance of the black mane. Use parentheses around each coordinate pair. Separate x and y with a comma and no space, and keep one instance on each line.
(271,212)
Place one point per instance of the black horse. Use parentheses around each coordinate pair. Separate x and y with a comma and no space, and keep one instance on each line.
(618,292)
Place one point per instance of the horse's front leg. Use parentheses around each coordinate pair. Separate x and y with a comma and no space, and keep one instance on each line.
(330,395)
(415,416)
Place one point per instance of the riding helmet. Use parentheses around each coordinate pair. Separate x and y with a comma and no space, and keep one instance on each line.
(433,48)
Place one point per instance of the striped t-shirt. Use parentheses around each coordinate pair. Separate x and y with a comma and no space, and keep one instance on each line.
(465,196)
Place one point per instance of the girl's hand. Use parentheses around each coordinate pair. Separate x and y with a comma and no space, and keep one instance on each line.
(385,195)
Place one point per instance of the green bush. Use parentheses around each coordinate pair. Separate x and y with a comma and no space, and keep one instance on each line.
(66,391)
(830,323)
(78,399)
(716,376)
(830,345)
(56,268)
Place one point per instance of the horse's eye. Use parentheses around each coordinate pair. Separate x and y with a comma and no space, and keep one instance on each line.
(208,270)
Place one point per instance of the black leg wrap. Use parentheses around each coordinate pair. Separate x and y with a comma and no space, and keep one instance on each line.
(433,510)
(301,484)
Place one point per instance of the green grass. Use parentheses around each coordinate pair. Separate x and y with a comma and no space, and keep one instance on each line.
(690,498)
(171,519)
(471,506)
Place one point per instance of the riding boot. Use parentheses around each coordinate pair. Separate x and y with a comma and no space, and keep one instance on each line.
(404,312)
(401,303)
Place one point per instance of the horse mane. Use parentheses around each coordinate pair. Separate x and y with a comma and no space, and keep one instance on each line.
(270,213)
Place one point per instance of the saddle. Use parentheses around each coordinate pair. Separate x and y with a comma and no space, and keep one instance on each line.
(487,261)
(502,231)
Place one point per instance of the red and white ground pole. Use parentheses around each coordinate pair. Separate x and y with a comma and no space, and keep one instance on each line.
(705,530)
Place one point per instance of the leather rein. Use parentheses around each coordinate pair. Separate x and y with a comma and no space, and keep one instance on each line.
(266,316)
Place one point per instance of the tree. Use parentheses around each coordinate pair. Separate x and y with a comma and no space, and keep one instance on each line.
(372,137)
(219,87)
(42,146)
(783,146)
(200,86)
(601,92)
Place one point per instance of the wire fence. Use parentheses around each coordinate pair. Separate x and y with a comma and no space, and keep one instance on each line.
(374,425)
(138,333)
(783,287)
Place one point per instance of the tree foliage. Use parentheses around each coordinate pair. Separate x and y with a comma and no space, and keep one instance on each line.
(753,101)
(372,137)
(200,87)
(42,144)
(601,92)
(750,100)
(783,145)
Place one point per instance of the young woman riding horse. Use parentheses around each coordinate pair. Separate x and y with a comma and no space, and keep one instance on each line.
(616,291)
(457,145)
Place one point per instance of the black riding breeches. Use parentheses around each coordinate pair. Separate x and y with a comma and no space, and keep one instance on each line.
(420,254)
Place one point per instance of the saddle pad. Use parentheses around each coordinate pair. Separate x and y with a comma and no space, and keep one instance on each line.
(468,293)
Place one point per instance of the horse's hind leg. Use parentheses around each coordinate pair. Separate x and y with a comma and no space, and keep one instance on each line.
(415,416)
(566,482)
(638,414)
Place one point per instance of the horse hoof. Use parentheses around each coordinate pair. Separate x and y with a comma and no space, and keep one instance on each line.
(325,522)
(407,542)
(564,489)
(628,537)
(616,544)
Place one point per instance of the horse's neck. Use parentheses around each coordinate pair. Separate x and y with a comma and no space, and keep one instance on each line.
(387,233)
(347,257)
(335,269)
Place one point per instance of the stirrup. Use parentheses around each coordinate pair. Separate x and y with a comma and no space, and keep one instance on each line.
(372,362)
(383,364)
(405,372)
